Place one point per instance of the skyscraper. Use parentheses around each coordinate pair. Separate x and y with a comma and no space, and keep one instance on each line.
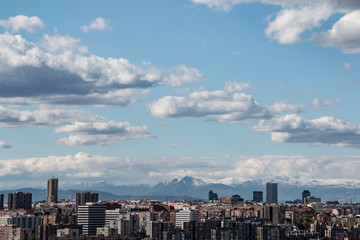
(17,200)
(186,215)
(1,201)
(271,192)
(52,190)
(84,197)
(91,216)
(305,194)
(257,196)
(213,196)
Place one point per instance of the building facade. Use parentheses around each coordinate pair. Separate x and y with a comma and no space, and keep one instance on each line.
(258,196)
(52,190)
(85,197)
(19,200)
(186,215)
(271,192)
(91,216)
(1,201)
(305,194)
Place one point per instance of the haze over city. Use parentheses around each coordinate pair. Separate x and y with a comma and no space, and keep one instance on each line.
(140,92)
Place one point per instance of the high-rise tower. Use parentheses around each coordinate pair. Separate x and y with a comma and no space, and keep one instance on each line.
(305,194)
(271,192)
(52,190)
(18,200)
(91,216)
(257,196)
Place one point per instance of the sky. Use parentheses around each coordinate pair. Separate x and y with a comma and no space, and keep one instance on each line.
(143,91)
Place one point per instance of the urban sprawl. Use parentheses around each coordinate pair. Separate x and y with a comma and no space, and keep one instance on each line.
(229,217)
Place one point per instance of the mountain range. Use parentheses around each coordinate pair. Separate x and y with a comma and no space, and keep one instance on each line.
(191,188)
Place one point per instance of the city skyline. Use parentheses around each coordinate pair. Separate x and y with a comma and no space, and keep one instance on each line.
(136,92)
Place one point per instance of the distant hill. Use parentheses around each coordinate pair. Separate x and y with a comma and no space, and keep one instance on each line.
(39,195)
(288,189)
(191,188)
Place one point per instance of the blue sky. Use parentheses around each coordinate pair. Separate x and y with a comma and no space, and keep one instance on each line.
(138,91)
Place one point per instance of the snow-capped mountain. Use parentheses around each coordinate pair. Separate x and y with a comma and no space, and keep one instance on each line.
(196,188)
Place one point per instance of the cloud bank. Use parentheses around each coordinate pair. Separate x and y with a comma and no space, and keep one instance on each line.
(84,167)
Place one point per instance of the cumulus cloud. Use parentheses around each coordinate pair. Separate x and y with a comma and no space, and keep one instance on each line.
(226,5)
(57,42)
(100,133)
(15,24)
(99,24)
(183,74)
(345,34)
(83,128)
(3,144)
(83,167)
(289,24)
(65,75)
(227,105)
(299,16)
(43,117)
(322,131)
(234,86)
(323,104)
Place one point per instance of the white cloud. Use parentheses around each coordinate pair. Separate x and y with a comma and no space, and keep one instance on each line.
(99,24)
(43,117)
(83,128)
(57,42)
(222,5)
(289,24)
(3,144)
(222,106)
(226,5)
(323,104)
(182,74)
(299,16)
(83,167)
(322,131)
(234,86)
(100,133)
(30,75)
(15,24)
(345,34)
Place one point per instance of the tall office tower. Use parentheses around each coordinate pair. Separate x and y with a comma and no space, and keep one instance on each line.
(52,191)
(84,197)
(186,215)
(271,192)
(17,200)
(273,213)
(91,216)
(305,194)
(257,196)
(213,196)
(1,201)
